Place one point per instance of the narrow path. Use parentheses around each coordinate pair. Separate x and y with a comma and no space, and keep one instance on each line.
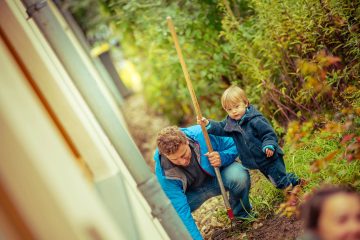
(143,125)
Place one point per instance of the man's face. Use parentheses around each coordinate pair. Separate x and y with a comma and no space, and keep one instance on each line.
(182,156)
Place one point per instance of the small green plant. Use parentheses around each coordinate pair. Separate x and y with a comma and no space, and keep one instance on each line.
(320,151)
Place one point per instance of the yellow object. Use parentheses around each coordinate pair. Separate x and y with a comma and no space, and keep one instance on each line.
(129,75)
(96,51)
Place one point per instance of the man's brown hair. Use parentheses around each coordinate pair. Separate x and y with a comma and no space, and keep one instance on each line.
(170,139)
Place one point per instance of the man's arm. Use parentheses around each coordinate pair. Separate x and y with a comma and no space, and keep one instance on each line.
(175,193)
(226,148)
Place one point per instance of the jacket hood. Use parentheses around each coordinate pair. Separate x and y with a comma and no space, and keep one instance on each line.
(250,113)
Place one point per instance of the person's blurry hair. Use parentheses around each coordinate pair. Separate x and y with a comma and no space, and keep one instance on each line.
(312,208)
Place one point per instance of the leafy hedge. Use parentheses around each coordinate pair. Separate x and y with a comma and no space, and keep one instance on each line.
(298,61)
(300,56)
(145,37)
(293,58)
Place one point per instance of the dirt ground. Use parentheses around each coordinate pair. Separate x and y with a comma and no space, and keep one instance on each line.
(144,125)
(274,228)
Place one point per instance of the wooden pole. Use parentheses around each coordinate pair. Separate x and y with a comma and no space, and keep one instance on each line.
(198,113)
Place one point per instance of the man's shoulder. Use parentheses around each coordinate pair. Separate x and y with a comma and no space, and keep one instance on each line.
(192,131)
(156,154)
(195,133)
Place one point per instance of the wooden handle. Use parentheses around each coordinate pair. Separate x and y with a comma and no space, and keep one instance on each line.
(183,66)
(197,110)
(188,81)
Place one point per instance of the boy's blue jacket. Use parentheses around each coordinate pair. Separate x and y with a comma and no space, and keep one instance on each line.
(173,181)
(251,134)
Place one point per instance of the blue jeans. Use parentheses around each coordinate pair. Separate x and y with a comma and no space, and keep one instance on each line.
(276,173)
(236,180)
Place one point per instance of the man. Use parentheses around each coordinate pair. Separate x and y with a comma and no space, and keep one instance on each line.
(186,173)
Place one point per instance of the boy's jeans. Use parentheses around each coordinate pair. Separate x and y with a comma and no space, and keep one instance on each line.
(276,173)
(236,180)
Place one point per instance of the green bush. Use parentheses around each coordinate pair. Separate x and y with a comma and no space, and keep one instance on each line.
(296,57)
(298,61)
(293,58)
(320,156)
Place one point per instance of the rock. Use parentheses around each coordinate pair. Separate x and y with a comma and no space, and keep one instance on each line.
(205,218)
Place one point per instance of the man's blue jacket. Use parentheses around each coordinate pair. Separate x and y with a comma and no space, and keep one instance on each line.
(174,182)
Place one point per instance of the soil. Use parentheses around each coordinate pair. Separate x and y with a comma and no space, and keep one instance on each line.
(144,125)
(276,227)
(214,224)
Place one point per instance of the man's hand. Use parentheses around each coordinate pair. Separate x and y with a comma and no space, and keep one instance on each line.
(214,158)
(269,152)
(202,121)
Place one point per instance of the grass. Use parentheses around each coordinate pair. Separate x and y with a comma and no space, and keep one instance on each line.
(313,147)
(323,147)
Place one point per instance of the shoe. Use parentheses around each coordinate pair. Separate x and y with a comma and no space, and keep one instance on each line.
(297,188)
(237,221)
(303,182)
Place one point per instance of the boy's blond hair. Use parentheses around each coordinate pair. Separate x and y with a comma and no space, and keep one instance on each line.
(170,139)
(233,95)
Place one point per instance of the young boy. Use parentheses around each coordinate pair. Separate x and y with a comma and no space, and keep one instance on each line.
(254,137)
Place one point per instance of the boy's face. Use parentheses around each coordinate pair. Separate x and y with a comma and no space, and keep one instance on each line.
(236,111)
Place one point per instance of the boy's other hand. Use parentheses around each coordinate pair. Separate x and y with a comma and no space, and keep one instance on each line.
(214,158)
(269,152)
(202,121)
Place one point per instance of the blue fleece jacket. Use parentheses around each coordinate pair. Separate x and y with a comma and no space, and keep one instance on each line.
(173,182)
(251,134)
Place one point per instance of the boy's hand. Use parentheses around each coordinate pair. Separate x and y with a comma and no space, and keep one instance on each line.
(202,121)
(214,158)
(269,152)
